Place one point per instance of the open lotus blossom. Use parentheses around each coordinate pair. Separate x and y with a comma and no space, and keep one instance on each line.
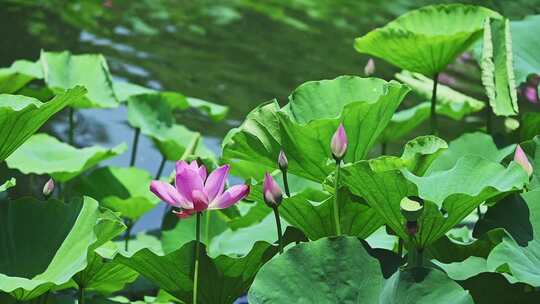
(195,192)
(339,143)
(521,158)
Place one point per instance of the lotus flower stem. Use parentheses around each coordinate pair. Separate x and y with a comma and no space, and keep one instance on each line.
(384,147)
(161,166)
(286,183)
(400,247)
(129,226)
(71,136)
(479,212)
(197,249)
(278,226)
(489,126)
(336,199)
(81,295)
(207,228)
(433,124)
(134,146)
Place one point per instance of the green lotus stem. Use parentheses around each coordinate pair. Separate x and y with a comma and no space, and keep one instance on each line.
(161,166)
(134,146)
(71,137)
(81,295)
(400,247)
(278,226)
(479,212)
(286,183)
(197,249)
(384,147)
(433,122)
(336,199)
(489,125)
(207,229)
(129,225)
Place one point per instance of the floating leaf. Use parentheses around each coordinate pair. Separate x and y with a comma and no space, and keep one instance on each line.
(63,71)
(337,270)
(44,154)
(450,103)
(303,128)
(20,73)
(497,68)
(21,116)
(125,190)
(72,230)
(426,40)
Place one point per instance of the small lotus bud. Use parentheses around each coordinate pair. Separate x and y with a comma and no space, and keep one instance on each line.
(272,194)
(411,209)
(369,69)
(48,188)
(283,163)
(521,158)
(339,143)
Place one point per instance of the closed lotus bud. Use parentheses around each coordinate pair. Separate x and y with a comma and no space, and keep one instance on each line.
(521,158)
(283,163)
(271,192)
(339,143)
(369,69)
(48,188)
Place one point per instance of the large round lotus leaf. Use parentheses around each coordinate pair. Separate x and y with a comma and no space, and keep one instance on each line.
(125,190)
(64,70)
(304,127)
(20,73)
(45,243)
(422,286)
(221,279)
(44,154)
(526,46)
(21,116)
(426,40)
(329,270)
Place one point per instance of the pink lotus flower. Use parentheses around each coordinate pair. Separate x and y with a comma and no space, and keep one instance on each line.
(521,158)
(339,143)
(369,69)
(529,89)
(48,188)
(195,192)
(271,192)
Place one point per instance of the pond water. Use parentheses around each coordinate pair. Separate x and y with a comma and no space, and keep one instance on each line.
(238,53)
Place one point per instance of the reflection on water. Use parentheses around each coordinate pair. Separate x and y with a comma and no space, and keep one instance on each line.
(237,52)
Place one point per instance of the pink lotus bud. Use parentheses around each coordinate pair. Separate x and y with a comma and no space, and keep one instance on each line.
(521,158)
(529,89)
(48,188)
(271,192)
(369,69)
(339,143)
(283,163)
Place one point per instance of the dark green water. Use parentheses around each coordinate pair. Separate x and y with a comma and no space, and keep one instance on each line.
(238,52)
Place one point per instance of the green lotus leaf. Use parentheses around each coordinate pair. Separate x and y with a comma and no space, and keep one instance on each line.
(44,154)
(337,270)
(450,103)
(497,68)
(216,112)
(404,122)
(462,189)
(421,152)
(423,285)
(315,218)
(470,175)
(304,127)
(525,46)
(124,190)
(426,40)
(104,276)
(22,116)
(72,230)
(8,184)
(177,232)
(64,70)
(18,75)
(529,126)
(477,144)
(500,291)
(519,262)
(222,279)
